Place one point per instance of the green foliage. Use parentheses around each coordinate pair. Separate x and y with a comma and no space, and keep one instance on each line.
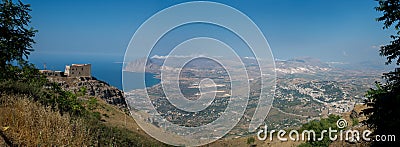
(16,41)
(305,145)
(48,94)
(16,38)
(82,91)
(92,103)
(383,113)
(25,78)
(391,12)
(318,126)
(354,121)
(250,140)
(391,16)
(18,77)
(96,115)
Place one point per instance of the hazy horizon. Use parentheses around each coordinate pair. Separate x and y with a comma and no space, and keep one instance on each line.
(337,31)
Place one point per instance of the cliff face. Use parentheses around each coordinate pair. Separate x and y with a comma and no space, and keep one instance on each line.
(94,87)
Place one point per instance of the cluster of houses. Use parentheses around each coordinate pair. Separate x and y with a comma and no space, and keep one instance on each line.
(74,70)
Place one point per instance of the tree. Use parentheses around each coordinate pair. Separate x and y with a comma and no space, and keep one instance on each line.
(391,15)
(383,112)
(17,76)
(318,126)
(16,37)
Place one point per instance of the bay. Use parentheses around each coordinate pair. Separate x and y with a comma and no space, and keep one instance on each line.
(135,80)
(104,68)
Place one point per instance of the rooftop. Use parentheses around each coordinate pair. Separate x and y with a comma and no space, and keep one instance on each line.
(79,64)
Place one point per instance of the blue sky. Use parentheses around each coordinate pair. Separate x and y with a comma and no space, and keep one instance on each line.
(340,30)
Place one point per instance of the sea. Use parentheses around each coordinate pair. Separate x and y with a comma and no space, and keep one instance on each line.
(104,67)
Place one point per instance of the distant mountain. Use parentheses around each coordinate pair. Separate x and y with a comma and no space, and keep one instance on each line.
(308,61)
(152,65)
(364,65)
(298,65)
(305,65)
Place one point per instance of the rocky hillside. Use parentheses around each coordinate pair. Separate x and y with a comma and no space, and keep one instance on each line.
(92,87)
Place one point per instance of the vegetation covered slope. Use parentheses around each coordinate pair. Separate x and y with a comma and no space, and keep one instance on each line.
(29,119)
(35,111)
(29,123)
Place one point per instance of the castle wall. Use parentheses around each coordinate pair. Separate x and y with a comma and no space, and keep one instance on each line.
(52,73)
(78,70)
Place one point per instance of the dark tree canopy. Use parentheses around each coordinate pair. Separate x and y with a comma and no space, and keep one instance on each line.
(16,37)
(391,16)
(391,13)
(383,102)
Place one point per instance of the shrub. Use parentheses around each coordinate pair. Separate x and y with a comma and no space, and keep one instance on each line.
(32,124)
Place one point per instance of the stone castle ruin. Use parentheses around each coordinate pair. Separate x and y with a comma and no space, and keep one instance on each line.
(74,70)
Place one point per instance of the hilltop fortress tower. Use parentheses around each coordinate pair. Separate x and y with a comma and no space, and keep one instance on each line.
(74,70)
(78,70)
